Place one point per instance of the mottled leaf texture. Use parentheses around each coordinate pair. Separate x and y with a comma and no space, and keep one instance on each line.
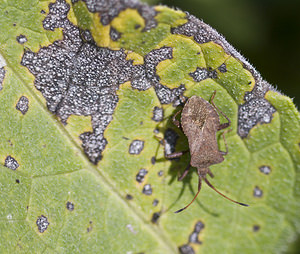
(87,89)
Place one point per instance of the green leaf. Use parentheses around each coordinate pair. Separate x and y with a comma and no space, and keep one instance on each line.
(86,92)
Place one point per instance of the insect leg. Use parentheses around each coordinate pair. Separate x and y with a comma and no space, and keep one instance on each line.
(210,173)
(186,171)
(175,121)
(199,188)
(223,125)
(226,146)
(176,154)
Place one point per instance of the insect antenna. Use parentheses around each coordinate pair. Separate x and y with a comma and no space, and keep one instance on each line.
(199,188)
(180,210)
(211,186)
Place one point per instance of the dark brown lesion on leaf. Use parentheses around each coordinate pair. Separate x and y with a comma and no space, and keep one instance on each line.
(136,147)
(23,105)
(257,192)
(11,163)
(158,114)
(197,29)
(90,227)
(256,228)
(203,73)
(194,236)
(110,9)
(155,217)
(170,140)
(21,39)
(2,75)
(129,197)
(147,190)
(265,169)
(42,223)
(153,160)
(77,77)
(222,68)
(186,249)
(140,176)
(114,34)
(70,206)
(256,109)
(193,239)
(155,202)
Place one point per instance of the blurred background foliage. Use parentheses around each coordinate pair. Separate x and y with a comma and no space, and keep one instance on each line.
(266,32)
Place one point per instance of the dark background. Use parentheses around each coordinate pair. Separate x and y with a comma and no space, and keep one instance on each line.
(266,32)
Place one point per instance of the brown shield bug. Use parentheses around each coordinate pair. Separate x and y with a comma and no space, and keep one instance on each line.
(200,123)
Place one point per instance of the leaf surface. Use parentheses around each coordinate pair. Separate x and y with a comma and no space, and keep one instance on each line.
(88,88)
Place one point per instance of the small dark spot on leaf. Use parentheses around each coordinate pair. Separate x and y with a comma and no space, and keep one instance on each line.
(147,190)
(129,197)
(27,207)
(42,223)
(143,42)
(137,26)
(21,39)
(198,53)
(141,175)
(87,36)
(222,68)
(156,131)
(141,123)
(22,105)
(114,34)
(256,228)
(43,12)
(153,160)
(70,206)
(193,238)
(125,138)
(257,192)
(2,76)
(155,217)
(136,146)
(17,181)
(186,249)
(90,228)
(265,169)
(250,82)
(155,202)
(170,138)
(158,114)
(10,143)
(201,74)
(198,227)
(160,173)
(14,24)
(11,163)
